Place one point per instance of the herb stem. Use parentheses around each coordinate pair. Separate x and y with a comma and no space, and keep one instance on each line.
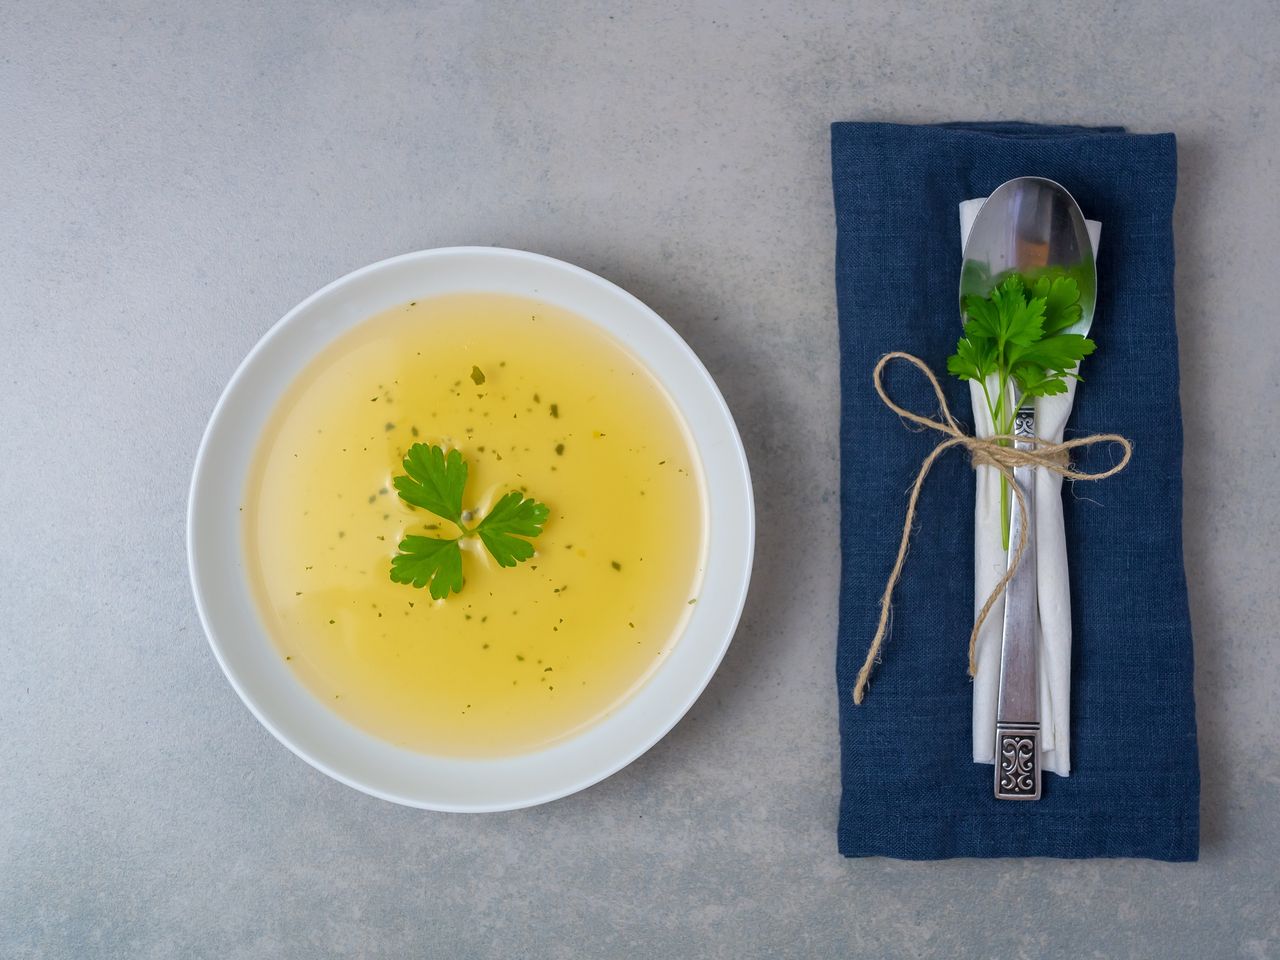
(1004,512)
(1001,424)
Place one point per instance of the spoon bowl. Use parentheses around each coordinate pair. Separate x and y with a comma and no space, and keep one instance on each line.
(1031,226)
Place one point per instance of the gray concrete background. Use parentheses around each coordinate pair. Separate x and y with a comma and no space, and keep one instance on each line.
(175,176)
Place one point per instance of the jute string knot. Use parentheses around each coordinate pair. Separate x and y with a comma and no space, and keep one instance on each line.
(994,451)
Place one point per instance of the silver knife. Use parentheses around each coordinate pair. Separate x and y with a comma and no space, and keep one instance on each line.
(1018,706)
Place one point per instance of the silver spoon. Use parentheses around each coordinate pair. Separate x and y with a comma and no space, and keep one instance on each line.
(1028,225)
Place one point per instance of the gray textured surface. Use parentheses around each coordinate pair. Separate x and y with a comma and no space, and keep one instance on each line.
(175,176)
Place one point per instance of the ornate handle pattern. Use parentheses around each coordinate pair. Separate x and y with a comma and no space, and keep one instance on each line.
(1017,761)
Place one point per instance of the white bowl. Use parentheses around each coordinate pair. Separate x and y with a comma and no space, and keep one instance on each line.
(215,550)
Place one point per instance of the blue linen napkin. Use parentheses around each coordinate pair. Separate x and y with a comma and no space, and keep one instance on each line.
(909,786)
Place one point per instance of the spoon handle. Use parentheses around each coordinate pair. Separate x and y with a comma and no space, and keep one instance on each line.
(1017,772)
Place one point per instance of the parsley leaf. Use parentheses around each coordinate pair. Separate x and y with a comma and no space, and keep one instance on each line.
(983,318)
(426,560)
(1062,302)
(1021,320)
(436,481)
(1038,382)
(512,517)
(1007,317)
(974,359)
(1059,354)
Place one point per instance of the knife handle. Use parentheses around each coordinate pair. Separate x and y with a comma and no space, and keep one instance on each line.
(1017,761)
(1017,747)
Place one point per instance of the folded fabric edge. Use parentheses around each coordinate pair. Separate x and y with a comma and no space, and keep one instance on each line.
(1012,130)
(927,838)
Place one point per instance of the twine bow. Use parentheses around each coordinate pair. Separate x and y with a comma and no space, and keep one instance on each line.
(983,451)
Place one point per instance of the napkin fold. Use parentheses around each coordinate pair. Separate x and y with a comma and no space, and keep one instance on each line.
(909,786)
(989,563)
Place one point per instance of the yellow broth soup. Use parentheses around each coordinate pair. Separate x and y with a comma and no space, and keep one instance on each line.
(536,400)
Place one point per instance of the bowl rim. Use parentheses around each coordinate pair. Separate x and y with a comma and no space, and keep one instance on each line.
(731,437)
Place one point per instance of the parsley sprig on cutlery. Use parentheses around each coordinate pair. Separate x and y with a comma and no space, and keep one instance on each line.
(436,481)
(1018,336)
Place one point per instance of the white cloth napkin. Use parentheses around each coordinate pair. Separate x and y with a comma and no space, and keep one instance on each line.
(1051,554)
